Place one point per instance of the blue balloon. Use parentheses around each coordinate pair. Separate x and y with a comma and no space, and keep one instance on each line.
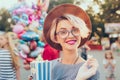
(24,19)
(16,18)
(36,52)
(41,21)
(22,42)
(30,35)
(40,44)
(40,27)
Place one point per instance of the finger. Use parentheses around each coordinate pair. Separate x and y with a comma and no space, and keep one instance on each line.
(92,61)
(85,64)
(92,70)
(93,64)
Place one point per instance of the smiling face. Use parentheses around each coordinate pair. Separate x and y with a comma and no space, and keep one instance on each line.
(70,27)
(109,55)
(68,36)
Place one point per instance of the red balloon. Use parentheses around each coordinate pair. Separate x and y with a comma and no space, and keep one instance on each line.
(29,59)
(33,45)
(20,34)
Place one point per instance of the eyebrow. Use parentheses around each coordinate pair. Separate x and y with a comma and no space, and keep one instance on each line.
(63,28)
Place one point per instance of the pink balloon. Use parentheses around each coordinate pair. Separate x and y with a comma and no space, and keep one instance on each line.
(25,48)
(22,55)
(23,10)
(18,28)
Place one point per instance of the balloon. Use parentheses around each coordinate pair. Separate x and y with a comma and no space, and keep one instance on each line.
(22,10)
(41,21)
(29,59)
(33,25)
(24,19)
(16,19)
(30,35)
(18,28)
(24,48)
(34,6)
(22,42)
(22,55)
(40,27)
(20,34)
(33,45)
(36,52)
(40,44)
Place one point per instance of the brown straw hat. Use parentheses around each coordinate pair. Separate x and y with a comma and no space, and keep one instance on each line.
(58,11)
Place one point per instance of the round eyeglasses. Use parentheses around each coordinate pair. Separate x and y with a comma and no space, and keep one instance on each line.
(65,33)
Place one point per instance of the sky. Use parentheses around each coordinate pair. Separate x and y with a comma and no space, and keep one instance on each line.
(9,3)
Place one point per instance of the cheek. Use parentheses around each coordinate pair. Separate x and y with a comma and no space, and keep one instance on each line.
(58,39)
(79,39)
(5,41)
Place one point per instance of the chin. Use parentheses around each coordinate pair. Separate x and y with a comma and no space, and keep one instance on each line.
(71,47)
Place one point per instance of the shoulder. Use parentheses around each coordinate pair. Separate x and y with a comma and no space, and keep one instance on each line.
(55,61)
(4,51)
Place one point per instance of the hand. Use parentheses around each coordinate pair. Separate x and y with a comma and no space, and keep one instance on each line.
(30,78)
(87,70)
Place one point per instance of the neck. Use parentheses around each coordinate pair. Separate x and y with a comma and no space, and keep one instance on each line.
(69,57)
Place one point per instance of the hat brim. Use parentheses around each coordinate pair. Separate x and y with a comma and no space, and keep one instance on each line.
(60,10)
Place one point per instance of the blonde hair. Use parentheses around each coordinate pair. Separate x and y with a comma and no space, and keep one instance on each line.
(76,21)
(11,46)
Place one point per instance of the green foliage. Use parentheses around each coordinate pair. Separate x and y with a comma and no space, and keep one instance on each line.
(53,3)
(109,11)
(4,24)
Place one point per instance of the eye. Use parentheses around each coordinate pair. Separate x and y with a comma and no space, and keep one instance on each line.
(76,30)
(63,32)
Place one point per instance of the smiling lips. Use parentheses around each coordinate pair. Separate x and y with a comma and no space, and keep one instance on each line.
(71,42)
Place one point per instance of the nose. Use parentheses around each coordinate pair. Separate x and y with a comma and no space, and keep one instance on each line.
(70,34)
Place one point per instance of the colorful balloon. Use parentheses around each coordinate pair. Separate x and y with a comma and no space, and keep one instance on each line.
(20,34)
(33,45)
(36,52)
(18,28)
(15,19)
(41,21)
(30,35)
(24,19)
(29,59)
(22,55)
(40,44)
(22,41)
(25,48)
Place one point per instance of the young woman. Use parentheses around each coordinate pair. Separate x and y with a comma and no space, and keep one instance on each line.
(109,65)
(66,28)
(9,65)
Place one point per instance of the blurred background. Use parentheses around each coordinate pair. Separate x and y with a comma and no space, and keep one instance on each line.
(104,15)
